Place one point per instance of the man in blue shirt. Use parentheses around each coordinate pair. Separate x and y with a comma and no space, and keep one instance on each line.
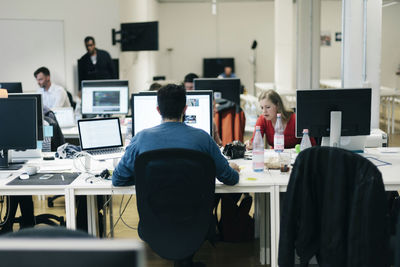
(172,133)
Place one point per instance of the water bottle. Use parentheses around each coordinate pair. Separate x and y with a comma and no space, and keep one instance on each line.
(128,134)
(78,112)
(279,138)
(258,151)
(305,141)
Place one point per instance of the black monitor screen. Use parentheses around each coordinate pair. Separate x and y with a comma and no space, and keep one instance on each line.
(18,123)
(39,110)
(140,36)
(12,87)
(212,67)
(66,252)
(223,88)
(314,106)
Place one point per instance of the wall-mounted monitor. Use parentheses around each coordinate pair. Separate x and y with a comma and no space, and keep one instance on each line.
(139,36)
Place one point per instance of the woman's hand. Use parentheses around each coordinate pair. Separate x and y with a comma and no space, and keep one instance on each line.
(249,145)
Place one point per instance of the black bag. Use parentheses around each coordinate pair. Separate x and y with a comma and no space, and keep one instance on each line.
(236,225)
(234,150)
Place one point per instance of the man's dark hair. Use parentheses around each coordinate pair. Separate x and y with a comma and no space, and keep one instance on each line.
(155,87)
(171,100)
(43,70)
(89,38)
(190,77)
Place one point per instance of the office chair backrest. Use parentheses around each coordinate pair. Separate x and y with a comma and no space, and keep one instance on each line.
(335,208)
(175,195)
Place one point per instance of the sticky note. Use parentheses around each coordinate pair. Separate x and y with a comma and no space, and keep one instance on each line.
(251,178)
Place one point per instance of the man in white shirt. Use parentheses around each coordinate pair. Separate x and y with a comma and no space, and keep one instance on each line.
(53,95)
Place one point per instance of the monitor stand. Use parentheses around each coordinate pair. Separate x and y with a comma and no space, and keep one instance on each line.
(4,164)
(352,143)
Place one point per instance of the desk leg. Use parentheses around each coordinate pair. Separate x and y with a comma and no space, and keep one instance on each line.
(70,208)
(277,214)
(261,224)
(92,215)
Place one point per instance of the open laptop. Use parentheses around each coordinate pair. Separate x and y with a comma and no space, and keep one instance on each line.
(65,116)
(101,138)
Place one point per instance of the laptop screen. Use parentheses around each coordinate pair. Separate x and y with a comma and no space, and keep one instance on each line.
(198,113)
(65,116)
(100,133)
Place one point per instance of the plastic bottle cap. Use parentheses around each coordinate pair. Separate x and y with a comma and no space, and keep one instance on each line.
(305,131)
(278,115)
(257,128)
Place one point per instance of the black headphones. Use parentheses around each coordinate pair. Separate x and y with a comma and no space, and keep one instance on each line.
(104,174)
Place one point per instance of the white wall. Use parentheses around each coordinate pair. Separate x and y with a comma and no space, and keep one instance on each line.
(331,21)
(81,18)
(390,46)
(193,33)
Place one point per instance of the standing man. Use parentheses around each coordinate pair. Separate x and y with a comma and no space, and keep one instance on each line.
(96,64)
(53,95)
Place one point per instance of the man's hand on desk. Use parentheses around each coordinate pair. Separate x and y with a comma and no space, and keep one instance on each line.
(234,166)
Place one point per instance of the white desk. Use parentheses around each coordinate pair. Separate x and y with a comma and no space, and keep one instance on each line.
(269,183)
(46,166)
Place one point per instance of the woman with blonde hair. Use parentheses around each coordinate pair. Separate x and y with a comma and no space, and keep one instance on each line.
(271,104)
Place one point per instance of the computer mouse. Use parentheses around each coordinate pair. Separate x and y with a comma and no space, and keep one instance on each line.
(24,176)
(31,170)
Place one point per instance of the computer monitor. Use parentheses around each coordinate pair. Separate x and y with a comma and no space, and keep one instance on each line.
(139,36)
(228,88)
(65,252)
(12,87)
(18,120)
(199,112)
(212,67)
(105,97)
(39,110)
(334,113)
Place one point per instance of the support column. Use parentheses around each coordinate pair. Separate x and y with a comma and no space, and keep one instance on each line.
(308,44)
(361,49)
(138,67)
(284,63)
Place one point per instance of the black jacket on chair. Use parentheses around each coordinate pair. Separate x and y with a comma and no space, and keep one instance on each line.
(175,198)
(335,208)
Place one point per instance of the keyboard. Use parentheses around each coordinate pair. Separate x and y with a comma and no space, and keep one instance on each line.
(107,153)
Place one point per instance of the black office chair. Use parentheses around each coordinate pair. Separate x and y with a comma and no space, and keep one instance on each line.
(175,197)
(71,99)
(335,209)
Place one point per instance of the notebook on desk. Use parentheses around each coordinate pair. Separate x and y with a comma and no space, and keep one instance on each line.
(101,138)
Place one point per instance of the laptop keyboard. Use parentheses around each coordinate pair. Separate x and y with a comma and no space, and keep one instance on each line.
(106,151)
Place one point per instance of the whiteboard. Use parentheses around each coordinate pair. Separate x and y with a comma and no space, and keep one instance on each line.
(26,45)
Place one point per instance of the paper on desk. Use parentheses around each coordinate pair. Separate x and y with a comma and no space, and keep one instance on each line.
(51,168)
(4,175)
(389,149)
